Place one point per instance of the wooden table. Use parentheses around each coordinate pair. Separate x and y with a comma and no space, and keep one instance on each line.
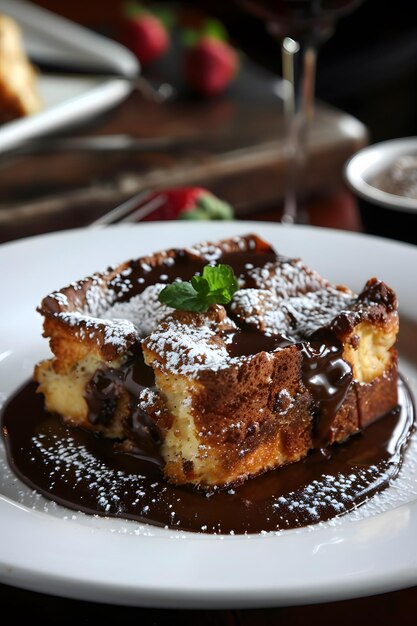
(234,146)
(391,608)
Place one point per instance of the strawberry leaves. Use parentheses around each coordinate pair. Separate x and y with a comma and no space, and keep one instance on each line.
(216,285)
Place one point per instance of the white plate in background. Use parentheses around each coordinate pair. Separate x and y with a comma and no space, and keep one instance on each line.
(51,39)
(363,166)
(47,548)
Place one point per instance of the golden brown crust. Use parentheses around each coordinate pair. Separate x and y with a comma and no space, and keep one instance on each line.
(378,396)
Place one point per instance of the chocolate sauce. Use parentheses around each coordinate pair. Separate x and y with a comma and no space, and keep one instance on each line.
(142,275)
(103,391)
(87,473)
(247,341)
(185,265)
(327,376)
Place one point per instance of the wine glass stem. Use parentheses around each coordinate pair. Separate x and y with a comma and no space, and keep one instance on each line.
(299,68)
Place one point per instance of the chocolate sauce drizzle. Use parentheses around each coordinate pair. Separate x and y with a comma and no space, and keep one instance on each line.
(87,473)
(327,376)
(103,391)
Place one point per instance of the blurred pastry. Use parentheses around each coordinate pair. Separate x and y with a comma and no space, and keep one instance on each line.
(18,78)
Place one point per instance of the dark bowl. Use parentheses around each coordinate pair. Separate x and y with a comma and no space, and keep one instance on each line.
(383,213)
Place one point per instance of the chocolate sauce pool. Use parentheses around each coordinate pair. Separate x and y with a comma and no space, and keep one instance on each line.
(87,473)
(91,474)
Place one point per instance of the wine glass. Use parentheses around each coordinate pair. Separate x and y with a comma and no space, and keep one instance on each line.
(301,26)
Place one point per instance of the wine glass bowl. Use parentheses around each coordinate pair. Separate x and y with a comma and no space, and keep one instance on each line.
(304,20)
(301,26)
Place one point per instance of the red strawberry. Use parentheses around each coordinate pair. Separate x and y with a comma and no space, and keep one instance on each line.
(210,65)
(189,203)
(145,35)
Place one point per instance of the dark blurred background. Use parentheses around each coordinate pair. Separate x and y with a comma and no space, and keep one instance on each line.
(368,68)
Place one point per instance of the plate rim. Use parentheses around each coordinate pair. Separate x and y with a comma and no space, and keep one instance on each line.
(122,68)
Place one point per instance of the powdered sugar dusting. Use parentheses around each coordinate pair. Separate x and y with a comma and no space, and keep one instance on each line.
(260,308)
(284,402)
(189,348)
(98,297)
(148,398)
(210,252)
(287,297)
(144,310)
(61,298)
(286,278)
(116,332)
(316,309)
(293,315)
(106,484)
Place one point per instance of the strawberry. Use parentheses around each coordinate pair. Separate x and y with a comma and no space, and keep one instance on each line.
(187,203)
(144,34)
(210,62)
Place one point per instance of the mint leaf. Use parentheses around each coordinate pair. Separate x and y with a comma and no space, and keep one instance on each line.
(221,277)
(182,296)
(216,285)
(201,285)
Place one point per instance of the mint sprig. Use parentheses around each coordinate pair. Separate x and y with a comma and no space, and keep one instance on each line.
(216,285)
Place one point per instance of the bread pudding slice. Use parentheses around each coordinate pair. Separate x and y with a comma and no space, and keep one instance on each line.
(292,363)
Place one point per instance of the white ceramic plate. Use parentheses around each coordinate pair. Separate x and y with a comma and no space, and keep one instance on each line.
(53,40)
(48,548)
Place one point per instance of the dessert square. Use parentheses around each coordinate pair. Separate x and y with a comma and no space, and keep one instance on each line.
(292,363)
